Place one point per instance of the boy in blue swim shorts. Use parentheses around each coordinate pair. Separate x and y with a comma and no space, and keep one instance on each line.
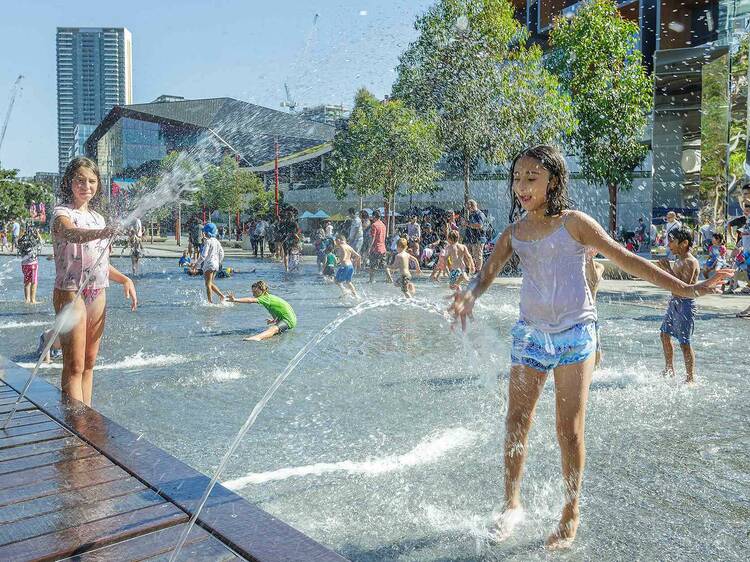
(346,255)
(679,321)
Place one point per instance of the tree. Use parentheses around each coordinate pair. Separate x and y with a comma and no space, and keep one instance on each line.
(16,195)
(595,56)
(385,146)
(492,93)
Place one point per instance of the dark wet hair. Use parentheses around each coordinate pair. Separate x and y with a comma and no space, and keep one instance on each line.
(719,236)
(682,234)
(553,161)
(66,183)
(376,214)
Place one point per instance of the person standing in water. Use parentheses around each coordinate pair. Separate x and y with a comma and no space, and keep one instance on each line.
(556,329)
(679,321)
(211,256)
(29,246)
(80,235)
(347,257)
(282,314)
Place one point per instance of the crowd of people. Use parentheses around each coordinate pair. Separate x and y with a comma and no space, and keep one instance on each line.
(557,330)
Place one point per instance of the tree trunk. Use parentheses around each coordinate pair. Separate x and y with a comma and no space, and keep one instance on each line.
(387,217)
(178,224)
(467,169)
(613,209)
(393,211)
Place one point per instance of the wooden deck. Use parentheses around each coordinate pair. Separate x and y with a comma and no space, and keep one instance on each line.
(74,485)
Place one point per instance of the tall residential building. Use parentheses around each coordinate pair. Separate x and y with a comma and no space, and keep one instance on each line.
(94,74)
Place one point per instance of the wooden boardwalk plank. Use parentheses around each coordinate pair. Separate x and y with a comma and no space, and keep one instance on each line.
(73,452)
(32,449)
(88,536)
(76,515)
(80,498)
(145,546)
(67,470)
(23,405)
(33,437)
(206,551)
(57,486)
(27,429)
(28,417)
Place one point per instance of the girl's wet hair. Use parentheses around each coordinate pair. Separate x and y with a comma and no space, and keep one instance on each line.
(553,161)
(66,183)
(260,286)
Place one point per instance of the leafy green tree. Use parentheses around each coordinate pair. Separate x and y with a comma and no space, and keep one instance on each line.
(16,195)
(471,64)
(386,146)
(596,58)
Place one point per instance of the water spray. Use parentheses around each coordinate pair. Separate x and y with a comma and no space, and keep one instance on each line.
(351,313)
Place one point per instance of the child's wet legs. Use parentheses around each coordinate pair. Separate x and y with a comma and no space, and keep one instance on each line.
(95,317)
(689,356)
(571,394)
(524,388)
(666,343)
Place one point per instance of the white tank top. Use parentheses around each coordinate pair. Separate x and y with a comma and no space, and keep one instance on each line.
(554,293)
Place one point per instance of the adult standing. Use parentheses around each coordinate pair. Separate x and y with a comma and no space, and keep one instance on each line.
(29,247)
(194,238)
(672,225)
(288,230)
(328,229)
(15,233)
(475,238)
(377,250)
(259,235)
(356,232)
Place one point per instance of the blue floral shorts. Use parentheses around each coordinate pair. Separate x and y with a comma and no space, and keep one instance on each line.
(543,352)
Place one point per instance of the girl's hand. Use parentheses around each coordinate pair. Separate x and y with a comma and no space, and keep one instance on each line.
(712,285)
(129,289)
(271,321)
(462,307)
(230,297)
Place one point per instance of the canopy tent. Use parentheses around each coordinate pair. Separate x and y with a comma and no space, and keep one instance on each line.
(307,215)
(320,214)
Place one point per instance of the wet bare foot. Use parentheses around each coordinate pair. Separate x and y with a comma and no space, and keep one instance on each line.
(667,372)
(565,533)
(504,525)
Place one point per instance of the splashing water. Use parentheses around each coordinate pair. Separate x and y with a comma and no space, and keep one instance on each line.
(330,328)
(181,179)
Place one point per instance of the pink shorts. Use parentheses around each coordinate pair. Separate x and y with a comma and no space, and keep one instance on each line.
(30,273)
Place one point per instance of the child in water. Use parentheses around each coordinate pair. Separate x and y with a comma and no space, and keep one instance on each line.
(679,321)
(184,260)
(80,236)
(401,262)
(347,257)
(212,254)
(282,314)
(556,330)
(330,263)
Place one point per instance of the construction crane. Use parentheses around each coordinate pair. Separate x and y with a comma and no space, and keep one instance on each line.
(13,91)
(289,102)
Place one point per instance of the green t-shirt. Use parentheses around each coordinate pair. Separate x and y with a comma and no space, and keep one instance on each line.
(331,260)
(279,309)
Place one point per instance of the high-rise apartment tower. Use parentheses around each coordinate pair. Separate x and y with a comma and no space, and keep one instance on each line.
(94,73)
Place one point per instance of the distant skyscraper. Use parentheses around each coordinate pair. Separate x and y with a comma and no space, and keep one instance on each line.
(94,73)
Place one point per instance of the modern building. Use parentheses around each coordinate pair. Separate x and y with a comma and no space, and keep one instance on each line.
(80,134)
(94,74)
(132,139)
(326,113)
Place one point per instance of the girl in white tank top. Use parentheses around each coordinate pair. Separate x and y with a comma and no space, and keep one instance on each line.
(556,328)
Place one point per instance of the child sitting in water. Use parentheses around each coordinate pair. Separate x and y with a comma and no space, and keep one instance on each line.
(679,321)
(55,351)
(184,260)
(347,257)
(556,330)
(459,261)
(282,314)
(716,256)
(401,263)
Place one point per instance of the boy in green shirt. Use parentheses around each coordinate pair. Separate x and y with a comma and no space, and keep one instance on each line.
(282,314)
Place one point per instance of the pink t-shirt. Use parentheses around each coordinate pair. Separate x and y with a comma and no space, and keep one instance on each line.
(377,233)
(73,261)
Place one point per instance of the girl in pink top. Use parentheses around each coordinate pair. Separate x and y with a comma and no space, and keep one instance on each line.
(79,236)
(556,329)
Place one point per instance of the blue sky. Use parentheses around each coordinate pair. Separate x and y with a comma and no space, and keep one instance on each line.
(245,49)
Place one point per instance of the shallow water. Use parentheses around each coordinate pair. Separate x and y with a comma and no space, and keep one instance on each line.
(386,443)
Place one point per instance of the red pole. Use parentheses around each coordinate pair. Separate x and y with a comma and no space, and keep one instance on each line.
(276,178)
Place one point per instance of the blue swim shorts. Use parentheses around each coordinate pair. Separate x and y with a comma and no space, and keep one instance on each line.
(344,273)
(543,352)
(679,321)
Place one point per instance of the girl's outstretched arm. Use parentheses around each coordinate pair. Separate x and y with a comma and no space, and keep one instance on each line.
(463,301)
(127,285)
(64,228)
(243,300)
(590,233)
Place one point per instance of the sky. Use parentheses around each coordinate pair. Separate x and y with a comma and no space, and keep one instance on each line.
(244,49)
